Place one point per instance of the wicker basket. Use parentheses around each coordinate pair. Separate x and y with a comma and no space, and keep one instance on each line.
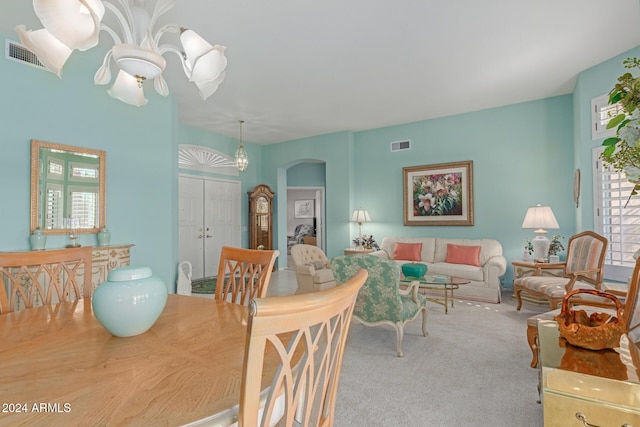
(594,332)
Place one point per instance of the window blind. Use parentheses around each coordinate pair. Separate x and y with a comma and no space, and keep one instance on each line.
(617,216)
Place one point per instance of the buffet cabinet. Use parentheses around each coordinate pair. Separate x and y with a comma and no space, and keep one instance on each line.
(105,259)
(588,388)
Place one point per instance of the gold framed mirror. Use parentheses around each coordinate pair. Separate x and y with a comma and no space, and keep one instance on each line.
(67,188)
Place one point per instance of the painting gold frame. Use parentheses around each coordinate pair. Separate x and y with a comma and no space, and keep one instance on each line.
(438,194)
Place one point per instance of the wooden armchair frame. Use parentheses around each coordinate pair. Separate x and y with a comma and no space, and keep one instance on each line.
(630,313)
(572,271)
(244,274)
(36,278)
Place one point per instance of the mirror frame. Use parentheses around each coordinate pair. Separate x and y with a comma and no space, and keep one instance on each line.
(36,145)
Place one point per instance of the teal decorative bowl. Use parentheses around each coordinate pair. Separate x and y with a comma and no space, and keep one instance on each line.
(414,269)
(130,301)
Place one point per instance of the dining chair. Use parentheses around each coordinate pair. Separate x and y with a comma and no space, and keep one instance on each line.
(244,274)
(583,268)
(31,279)
(307,333)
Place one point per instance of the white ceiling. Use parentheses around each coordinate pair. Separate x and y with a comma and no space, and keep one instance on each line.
(303,68)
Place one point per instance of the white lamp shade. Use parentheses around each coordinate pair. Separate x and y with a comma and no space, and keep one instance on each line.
(540,217)
(360,216)
(76,23)
(204,61)
(127,90)
(50,51)
(209,88)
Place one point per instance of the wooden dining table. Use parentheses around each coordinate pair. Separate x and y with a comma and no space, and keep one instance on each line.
(59,366)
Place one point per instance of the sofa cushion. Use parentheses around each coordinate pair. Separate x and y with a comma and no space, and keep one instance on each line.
(460,254)
(464,271)
(407,251)
(428,246)
(489,248)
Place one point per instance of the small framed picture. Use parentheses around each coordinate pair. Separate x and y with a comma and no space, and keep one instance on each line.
(304,209)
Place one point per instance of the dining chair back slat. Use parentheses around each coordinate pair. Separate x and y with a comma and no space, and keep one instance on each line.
(31,279)
(244,274)
(307,333)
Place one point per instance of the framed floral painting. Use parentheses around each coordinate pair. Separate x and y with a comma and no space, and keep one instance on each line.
(440,194)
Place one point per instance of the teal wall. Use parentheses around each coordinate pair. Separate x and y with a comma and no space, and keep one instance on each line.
(523,154)
(306,175)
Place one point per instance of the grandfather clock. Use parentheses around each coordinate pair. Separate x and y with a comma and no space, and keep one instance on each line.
(261,217)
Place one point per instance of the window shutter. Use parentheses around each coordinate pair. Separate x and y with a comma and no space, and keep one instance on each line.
(84,208)
(617,218)
(601,113)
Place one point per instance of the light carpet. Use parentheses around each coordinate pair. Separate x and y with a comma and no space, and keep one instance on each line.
(471,370)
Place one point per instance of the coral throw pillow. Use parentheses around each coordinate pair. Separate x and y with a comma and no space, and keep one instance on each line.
(407,251)
(458,254)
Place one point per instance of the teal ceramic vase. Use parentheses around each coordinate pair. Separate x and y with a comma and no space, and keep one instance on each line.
(104,237)
(414,269)
(130,301)
(38,240)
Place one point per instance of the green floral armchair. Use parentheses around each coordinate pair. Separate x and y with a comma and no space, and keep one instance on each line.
(380,300)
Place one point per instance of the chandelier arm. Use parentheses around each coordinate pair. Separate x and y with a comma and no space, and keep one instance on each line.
(162,7)
(124,4)
(169,48)
(126,26)
(171,28)
(113,34)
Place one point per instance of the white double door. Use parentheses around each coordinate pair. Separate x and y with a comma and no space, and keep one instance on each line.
(209,218)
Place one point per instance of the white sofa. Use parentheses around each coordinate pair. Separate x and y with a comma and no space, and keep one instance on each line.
(484,279)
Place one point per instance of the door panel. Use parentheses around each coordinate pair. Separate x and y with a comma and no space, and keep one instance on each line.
(190,220)
(209,218)
(221,219)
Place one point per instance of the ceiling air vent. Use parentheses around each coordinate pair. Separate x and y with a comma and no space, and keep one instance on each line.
(401,145)
(19,53)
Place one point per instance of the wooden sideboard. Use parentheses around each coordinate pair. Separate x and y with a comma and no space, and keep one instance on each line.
(105,259)
(582,387)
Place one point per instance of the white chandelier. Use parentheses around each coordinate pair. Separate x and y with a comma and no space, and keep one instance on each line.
(75,24)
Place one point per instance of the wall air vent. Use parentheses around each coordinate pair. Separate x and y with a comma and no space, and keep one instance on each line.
(17,52)
(401,145)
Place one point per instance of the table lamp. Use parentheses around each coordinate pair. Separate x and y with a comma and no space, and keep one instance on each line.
(540,217)
(360,216)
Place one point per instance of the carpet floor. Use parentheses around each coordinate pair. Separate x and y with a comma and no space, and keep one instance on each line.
(471,370)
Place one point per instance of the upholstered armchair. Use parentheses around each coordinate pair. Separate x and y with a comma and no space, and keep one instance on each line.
(312,269)
(380,300)
(299,232)
(583,269)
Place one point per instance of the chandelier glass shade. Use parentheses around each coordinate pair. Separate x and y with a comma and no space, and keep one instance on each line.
(75,25)
(241,154)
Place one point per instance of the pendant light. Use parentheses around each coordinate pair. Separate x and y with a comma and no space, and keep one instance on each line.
(241,155)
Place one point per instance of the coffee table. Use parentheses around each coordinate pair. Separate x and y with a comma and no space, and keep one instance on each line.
(438,282)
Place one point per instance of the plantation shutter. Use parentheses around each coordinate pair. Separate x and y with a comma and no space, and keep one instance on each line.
(617,217)
(84,208)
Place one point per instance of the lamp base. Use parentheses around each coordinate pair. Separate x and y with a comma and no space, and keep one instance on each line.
(541,245)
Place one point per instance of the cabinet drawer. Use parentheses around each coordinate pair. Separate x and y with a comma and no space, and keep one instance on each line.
(560,411)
